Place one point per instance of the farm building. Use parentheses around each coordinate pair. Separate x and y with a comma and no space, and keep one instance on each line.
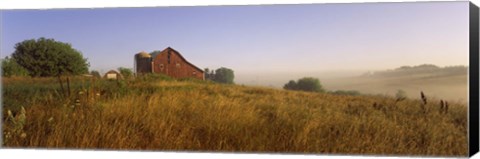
(112,74)
(169,62)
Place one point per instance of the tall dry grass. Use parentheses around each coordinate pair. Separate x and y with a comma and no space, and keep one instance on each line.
(172,115)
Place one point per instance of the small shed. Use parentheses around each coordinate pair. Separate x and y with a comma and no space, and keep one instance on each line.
(112,74)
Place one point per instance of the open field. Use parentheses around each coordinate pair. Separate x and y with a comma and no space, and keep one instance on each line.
(453,88)
(449,86)
(162,114)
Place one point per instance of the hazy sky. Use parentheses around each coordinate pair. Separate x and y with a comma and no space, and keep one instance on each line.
(267,38)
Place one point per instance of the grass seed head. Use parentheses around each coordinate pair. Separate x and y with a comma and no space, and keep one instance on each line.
(23,135)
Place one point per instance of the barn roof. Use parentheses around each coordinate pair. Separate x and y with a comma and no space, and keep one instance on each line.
(169,48)
(111,71)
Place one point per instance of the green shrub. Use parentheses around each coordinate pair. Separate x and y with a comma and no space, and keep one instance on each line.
(11,68)
(308,84)
(113,88)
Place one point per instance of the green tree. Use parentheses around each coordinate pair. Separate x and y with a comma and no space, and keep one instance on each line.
(209,74)
(126,73)
(291,85)
(308,84)
(224,75)
(206,74)
(11,68)
(155,53)
(47,57)
(95,74)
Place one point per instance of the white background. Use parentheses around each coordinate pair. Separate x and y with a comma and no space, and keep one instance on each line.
(47,4)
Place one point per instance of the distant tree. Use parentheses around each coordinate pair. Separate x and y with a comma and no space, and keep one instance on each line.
(426,66)
(212,75)
(11,68)
(126,73)
(95,74)
(291,85)
(308,84)
(224,75)
(221,75)
(208,75)
(155,53)
(47,57)
(404,68)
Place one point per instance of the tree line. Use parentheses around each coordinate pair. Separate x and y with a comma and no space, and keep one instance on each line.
(220,75)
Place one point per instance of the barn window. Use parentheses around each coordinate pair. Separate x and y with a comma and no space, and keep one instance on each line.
(178,65)
(194,72)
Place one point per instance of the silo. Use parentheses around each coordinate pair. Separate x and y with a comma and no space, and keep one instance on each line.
(143,63)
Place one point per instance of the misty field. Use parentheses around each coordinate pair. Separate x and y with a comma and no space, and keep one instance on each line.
(162,114)
(451,87)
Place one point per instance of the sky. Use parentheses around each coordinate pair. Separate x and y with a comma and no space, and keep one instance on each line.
(257,39)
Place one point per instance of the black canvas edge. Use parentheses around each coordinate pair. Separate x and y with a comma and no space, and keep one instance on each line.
(473,113)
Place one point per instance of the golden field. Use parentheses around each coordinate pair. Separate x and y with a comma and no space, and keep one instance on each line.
(161,114)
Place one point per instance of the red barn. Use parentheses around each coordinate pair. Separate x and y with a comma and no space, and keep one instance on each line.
(170,62)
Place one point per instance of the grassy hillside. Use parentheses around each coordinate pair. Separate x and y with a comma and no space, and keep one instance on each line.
(189,115)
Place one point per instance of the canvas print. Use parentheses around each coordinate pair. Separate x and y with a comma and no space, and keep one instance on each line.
(343,79)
